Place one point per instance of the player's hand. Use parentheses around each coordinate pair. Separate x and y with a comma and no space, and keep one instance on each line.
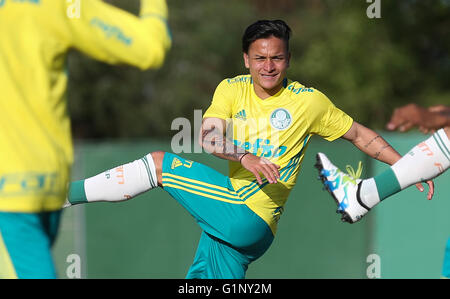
(430,189)
(258,165)
(412,115)
(406,117)
(441,112)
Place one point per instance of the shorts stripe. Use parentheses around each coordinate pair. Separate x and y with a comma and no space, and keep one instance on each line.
(200,188)
(7,270)
(196,182)
(202,194)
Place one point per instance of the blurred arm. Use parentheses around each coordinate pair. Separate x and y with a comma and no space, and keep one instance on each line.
(412,115)
(115,36)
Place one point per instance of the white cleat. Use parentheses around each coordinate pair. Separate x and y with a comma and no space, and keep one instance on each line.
(343,187)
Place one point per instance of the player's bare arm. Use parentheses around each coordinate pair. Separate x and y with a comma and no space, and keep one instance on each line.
(213,140)
(371,143)
(378,148)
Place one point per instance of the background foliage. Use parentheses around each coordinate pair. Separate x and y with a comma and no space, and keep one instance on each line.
(365,66)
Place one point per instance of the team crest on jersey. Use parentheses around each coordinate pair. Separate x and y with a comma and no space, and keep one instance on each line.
(280,119)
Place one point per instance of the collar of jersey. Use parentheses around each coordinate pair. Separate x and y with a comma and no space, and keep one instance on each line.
(271,98)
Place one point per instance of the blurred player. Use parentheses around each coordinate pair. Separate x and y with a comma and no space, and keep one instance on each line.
(36,147)
(428,120)
(271,120)
(425,161)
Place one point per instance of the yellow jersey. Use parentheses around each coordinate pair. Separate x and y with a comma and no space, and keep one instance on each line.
(277,128)
(35,36)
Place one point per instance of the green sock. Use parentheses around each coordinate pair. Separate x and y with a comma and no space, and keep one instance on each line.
(387,183)
(77,193)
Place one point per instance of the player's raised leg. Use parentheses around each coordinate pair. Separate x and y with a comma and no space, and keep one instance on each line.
(425,161)
(233,234)
(344,189)
(119,183)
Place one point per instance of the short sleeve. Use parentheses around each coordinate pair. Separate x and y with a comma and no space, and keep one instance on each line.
(328,121)
(114,36)
(222,102)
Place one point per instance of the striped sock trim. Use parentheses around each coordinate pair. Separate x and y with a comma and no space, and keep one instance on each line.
(152,180)
(441,143)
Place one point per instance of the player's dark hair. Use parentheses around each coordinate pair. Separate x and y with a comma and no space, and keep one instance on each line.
(265,29)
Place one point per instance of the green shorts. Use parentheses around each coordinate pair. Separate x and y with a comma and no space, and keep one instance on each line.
(25,244)
(233,235)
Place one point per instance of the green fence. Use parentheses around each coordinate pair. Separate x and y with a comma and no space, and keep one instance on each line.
(152,236)
(411,232)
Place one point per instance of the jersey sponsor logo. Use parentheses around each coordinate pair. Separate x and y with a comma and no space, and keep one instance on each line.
(240,79)
(262,148)
(2,2)
(111,31)
(300,89)
(22,184)
(241,115)
(280,119)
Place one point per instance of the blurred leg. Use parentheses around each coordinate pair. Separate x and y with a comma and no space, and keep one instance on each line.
(27,240)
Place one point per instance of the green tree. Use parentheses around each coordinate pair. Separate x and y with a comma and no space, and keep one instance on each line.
(365,66)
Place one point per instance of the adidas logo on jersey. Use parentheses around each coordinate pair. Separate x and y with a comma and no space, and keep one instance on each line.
(241,115)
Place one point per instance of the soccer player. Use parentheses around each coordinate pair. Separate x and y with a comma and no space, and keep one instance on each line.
(36,147)
(423,162)
(261,123)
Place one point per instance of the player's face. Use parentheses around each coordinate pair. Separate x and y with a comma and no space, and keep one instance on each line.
(267,59)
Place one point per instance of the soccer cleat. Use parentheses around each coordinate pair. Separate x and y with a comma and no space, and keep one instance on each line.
(343,187)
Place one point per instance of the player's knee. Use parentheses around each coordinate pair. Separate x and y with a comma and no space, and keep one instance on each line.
(158,157)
